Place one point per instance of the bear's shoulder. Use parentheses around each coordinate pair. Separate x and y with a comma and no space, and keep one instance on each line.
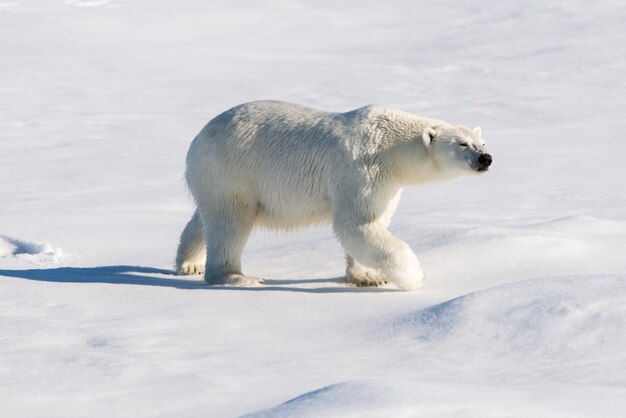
(368,111)
(396,122)
(379,112)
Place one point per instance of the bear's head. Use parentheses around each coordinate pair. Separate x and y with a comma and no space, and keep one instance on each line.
(456,150)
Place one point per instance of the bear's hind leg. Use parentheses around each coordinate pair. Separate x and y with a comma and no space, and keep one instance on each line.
(361,276)
(191,250)
(227,226)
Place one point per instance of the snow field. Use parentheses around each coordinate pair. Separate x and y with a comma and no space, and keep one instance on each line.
(522,310)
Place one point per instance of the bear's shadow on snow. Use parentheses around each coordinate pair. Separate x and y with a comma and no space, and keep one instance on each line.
(145,276)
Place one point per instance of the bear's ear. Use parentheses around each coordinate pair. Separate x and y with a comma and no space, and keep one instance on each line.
(428,135)
(477,131)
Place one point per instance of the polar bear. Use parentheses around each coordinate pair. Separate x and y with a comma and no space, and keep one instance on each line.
(282,165)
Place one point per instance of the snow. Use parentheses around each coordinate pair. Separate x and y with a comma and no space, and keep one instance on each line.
(522,313)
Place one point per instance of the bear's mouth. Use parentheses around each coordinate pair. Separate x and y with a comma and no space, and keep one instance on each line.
(482,169)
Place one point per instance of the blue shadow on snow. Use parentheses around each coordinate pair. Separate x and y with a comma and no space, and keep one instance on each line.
(145,276)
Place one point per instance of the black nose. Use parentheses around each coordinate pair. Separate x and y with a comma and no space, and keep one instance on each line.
(485,160)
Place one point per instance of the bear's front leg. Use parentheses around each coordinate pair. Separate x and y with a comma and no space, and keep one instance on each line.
(372,245)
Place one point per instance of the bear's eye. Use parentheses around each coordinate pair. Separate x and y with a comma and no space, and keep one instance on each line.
(463,144)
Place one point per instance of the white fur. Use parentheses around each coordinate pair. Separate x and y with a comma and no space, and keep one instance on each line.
(282,165)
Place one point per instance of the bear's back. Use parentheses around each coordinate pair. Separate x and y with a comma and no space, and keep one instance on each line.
(275,134)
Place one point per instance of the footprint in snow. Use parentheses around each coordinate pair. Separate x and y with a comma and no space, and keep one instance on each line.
(33,252)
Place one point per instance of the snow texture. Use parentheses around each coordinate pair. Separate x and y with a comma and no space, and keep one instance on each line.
(523,310)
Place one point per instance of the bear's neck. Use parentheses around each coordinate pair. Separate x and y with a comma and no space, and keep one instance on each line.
(411,161)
